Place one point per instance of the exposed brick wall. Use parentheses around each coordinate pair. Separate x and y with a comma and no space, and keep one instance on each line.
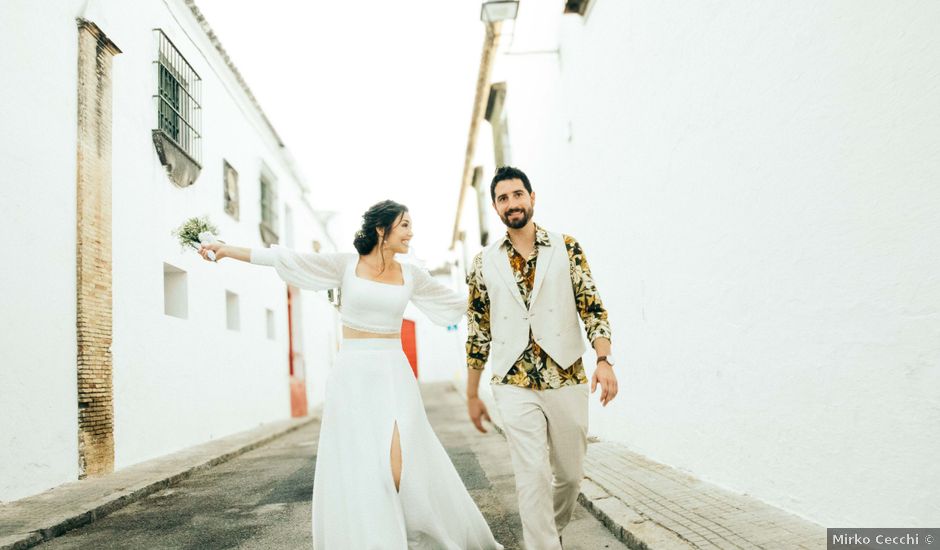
(93,265)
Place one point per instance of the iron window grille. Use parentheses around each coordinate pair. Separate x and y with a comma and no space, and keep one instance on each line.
(178,99)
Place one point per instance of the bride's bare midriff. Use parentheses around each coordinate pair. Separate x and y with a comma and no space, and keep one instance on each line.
(353,333)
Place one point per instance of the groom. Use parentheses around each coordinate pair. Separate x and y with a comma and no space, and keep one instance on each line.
(527,292)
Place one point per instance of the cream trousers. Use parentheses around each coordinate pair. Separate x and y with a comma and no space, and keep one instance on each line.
(547,433)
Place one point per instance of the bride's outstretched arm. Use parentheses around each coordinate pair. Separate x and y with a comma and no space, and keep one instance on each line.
(301,269)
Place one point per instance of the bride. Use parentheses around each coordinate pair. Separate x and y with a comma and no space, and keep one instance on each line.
(383,480)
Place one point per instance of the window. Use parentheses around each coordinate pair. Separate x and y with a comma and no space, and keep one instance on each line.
(496,116)
(232,317)
(288,227)
(168,108)
(335,297)
(230,189)
(269,318)
(269,218)
(579,7)
(178,99)
(175,302)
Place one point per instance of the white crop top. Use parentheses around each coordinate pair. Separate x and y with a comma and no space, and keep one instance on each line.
(367,305)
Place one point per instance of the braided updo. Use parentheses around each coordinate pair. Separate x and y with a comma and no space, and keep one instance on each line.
(380,215)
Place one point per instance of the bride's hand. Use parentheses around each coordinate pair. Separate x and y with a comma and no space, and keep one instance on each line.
(218,248)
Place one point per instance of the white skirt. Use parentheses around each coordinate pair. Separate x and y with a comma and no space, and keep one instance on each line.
(355,505)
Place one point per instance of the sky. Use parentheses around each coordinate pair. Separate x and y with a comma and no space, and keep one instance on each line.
(373,98)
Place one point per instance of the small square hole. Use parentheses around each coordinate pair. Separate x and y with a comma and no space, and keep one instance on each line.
(269,315)
(232,317)
(175,297)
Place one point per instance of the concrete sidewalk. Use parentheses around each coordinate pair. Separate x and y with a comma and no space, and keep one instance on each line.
(32,520)
(653,505)
(648,505)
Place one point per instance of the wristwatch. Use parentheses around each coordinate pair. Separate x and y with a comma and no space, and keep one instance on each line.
(608,358)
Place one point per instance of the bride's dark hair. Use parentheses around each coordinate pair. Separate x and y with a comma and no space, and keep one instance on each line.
(380,215)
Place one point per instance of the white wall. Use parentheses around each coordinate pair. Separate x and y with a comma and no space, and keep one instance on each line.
(211,381)
(440,351)
(321,344)
(38,348)
(177,382)
(755,189)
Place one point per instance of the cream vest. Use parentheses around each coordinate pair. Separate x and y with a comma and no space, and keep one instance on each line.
(552,315)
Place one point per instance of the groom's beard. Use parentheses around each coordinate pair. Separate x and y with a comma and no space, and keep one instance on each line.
(518,222)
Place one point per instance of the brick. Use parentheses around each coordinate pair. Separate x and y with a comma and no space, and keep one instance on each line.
(93,258)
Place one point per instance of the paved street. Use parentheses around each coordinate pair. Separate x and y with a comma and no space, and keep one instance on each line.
(261,499)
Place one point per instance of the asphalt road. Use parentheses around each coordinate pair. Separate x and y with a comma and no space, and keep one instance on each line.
(261,499)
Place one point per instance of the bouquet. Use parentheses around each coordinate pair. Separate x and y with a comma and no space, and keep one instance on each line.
(196,231)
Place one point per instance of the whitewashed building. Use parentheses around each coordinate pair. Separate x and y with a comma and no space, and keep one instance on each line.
(119,122)
(755,185)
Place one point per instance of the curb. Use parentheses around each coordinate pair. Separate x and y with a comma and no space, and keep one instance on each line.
(633,529)
(47,528)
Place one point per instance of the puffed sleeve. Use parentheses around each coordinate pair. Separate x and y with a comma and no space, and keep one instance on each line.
(302,269)
(442,305)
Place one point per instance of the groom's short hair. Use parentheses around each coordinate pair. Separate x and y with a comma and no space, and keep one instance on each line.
(509,173)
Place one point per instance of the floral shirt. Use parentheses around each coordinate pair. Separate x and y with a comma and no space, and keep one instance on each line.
(534,369)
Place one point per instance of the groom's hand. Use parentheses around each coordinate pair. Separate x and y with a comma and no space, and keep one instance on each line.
(477,411)
(604,375)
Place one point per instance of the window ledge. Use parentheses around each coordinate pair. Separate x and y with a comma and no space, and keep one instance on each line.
(268,235)
(182,168)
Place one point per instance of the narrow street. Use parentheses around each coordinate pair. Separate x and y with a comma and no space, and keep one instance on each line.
(262,499)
